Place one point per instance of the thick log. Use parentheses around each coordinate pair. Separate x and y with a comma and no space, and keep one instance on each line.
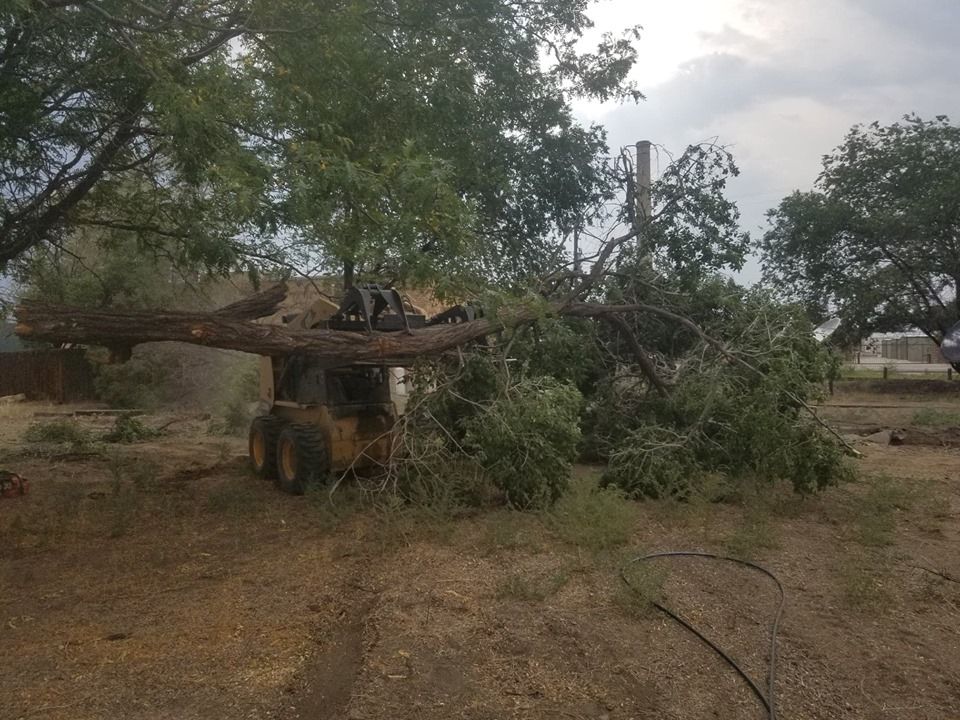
(112,328)
(227,328)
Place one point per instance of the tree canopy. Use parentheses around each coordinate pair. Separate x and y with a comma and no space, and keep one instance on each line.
(396,138)
(878,240)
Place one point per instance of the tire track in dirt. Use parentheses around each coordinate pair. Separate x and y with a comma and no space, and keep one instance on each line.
(327,681)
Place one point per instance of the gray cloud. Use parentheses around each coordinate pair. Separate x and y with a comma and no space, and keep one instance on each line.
(784,97)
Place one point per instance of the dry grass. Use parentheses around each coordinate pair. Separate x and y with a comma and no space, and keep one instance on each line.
(224,589)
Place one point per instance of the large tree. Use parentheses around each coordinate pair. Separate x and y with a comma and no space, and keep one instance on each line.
(390,137)
(878,240)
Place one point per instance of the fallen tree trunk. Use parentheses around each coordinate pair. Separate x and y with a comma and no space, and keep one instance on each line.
(228,328)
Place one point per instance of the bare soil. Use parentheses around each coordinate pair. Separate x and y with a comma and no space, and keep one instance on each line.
(161,580)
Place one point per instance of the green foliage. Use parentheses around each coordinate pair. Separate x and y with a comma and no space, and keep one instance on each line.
(476,429)
(697,230)
(237,397)
(57,431)
(95,270)
(592,517)
(565,349)
(128,429)
(653,461)
(532,588)
(526,440)
(451,398)
(133,384)
(876,240)
(386,138)
(722,417)
(444,483)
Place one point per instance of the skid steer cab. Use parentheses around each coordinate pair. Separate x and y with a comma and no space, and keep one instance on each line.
(314,419)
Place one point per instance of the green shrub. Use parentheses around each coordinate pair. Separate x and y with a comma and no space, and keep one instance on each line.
(133,384)
(235,406)
(875,514)
(592,517)
(526,440)
(724,418)
(57,431)
(445,483)
(532,587)
(653,461)
(127,429)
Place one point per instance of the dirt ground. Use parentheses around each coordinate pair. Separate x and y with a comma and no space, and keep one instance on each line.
(160,579)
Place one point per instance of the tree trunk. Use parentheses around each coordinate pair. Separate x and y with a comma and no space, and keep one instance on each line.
(230,328)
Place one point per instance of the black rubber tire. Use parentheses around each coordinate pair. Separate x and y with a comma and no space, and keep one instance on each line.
(267,428)
(308,462)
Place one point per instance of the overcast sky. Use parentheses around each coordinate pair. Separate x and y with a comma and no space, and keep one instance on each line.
(780,81)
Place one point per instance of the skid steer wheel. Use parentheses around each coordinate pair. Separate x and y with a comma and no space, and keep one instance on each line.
(264,432)
(302,458)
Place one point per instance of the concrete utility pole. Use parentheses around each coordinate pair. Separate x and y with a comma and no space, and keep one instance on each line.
(643,207)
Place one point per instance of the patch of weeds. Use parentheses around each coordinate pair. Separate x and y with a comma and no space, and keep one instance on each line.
(532,588)
(931,509)
(591,517)
(332,510)
(936,417)
(671,512)
(397,522)
(236,496)
(127,429)
(784,503)
(863,584)
(875,515)
(753,534)
(58,431)
(235,408)
(455,489)
(508,530)
(640,585)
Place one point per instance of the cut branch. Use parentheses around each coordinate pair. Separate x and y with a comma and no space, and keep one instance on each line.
(256,306)
(230,329)
(643,360)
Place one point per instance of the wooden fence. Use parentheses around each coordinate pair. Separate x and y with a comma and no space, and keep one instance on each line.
(56,375)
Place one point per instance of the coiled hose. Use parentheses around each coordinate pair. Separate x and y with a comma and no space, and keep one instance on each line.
(769,700)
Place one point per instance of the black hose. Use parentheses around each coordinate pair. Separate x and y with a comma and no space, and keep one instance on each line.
(769,700)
